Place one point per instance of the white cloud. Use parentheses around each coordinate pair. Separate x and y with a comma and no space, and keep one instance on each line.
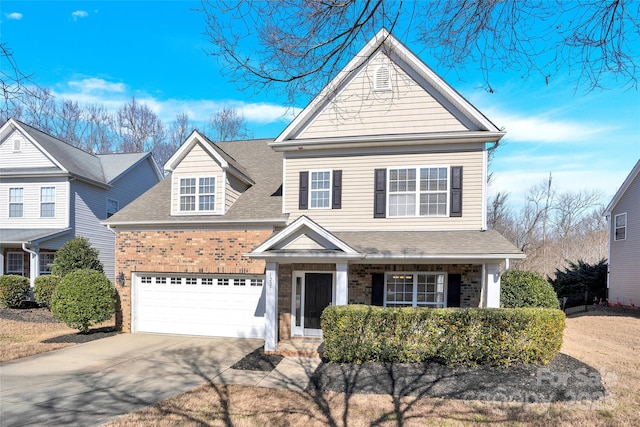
(75,15)
(16,16)
(95,84)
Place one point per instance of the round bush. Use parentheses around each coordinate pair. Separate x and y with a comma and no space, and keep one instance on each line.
(82,299)
(13,290)
(526,289)
(43,289)
(76,254)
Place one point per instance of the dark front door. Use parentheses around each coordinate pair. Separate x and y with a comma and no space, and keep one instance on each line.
(453,290)
(317,295)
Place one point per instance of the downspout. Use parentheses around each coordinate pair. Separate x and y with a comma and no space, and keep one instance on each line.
(33,269)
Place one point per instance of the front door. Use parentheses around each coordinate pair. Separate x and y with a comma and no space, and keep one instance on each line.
(312,293)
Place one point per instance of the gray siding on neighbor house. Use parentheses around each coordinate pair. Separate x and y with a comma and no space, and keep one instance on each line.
(624,262)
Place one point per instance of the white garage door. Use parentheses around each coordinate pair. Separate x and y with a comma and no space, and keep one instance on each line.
(221,306)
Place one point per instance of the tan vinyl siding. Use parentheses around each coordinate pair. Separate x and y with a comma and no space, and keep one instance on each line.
(197,164)
(360,110)
(624,273)
(304,242)
(358,191)
(28,157)
(31,203)
(235,188)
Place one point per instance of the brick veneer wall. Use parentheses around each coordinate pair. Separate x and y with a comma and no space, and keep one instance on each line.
(182,251)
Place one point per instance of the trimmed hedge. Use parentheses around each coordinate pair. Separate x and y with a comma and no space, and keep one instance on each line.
(526,289)
(43,289)
(76,254)
(453,336)
(82,299)
(14,290)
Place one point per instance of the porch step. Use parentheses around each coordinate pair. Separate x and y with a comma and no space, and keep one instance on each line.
(300,347)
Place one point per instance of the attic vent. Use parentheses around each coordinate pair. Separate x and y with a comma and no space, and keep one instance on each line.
(382,78)
(16,145)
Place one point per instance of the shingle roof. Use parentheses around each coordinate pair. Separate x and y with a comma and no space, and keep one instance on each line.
(12,235)
(429,243)
(258,202)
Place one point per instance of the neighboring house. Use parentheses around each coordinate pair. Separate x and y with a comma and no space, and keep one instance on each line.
(51,192)
(375,194)
(623,215)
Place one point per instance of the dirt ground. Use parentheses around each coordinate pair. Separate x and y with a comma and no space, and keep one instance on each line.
(606,340)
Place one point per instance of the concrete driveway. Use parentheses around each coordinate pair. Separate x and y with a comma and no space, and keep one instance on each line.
(91,383)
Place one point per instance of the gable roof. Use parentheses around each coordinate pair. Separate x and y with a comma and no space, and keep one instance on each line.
(484,131)
(100,169)
(623,188)
(260,203)
(226,161)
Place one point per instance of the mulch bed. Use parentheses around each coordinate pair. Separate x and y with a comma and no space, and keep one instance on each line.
(258,361)
(33,314)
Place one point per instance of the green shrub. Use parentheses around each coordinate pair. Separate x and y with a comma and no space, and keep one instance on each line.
(578,278)
(76,254)
(526,289)
(43,289)
(13,290)
(490,336)
(82,299)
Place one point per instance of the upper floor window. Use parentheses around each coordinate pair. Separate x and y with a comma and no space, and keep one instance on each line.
(113,206)
(46,259)
(320,193)
(197,194)
(16,202)
(620,227)
(47,202)
(415,289)
(15,263)
(418,191)
(382,78)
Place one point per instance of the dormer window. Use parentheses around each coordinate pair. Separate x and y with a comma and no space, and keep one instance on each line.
(382,78)
(197,194)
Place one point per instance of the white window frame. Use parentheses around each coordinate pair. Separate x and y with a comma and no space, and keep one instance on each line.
(18,255)
(378,85)
(112,207)
(313,191)
(418,192)
(48,203)
(14,202)
(45,260)
(441,279)
(197,195)
(617,227)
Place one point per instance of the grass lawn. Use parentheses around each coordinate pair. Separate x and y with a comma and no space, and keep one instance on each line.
(609,341)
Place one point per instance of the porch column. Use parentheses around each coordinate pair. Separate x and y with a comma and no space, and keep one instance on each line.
(342,288)
(271,307)
(492,285)
(1,262)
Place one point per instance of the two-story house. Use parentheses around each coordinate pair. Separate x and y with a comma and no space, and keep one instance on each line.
(623,214)
(51,192)
(374,194)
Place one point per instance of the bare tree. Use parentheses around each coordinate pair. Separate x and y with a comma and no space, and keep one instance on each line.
(69,123)
(13,84)
(229,124)
(39,109)
(298,46)
(99,135)
(138,128)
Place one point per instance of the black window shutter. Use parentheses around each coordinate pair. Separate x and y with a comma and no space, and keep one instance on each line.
(377,289)
(380,194)
(336,191)
(454,287)
(303,199)
(456,191)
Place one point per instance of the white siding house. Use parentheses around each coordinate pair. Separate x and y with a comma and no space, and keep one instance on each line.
(51,192)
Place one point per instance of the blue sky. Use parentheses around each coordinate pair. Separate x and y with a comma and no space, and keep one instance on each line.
(107,52)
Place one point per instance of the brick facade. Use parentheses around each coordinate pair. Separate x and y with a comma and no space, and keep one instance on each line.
(359,276)
(182,251)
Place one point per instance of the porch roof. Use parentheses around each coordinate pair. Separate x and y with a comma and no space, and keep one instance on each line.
(29,236)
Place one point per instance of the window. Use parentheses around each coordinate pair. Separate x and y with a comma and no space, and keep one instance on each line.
(208,281)
(15,263)
(16,200)
(46,259)
(191,280)
(418,191)
(223,282)
(620,226)
(239,282)
(320,189)
(203,193)
(47,202)
(175,280)
(146,279)
(113,206)
(256,282)
(382,78)
(415,290)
